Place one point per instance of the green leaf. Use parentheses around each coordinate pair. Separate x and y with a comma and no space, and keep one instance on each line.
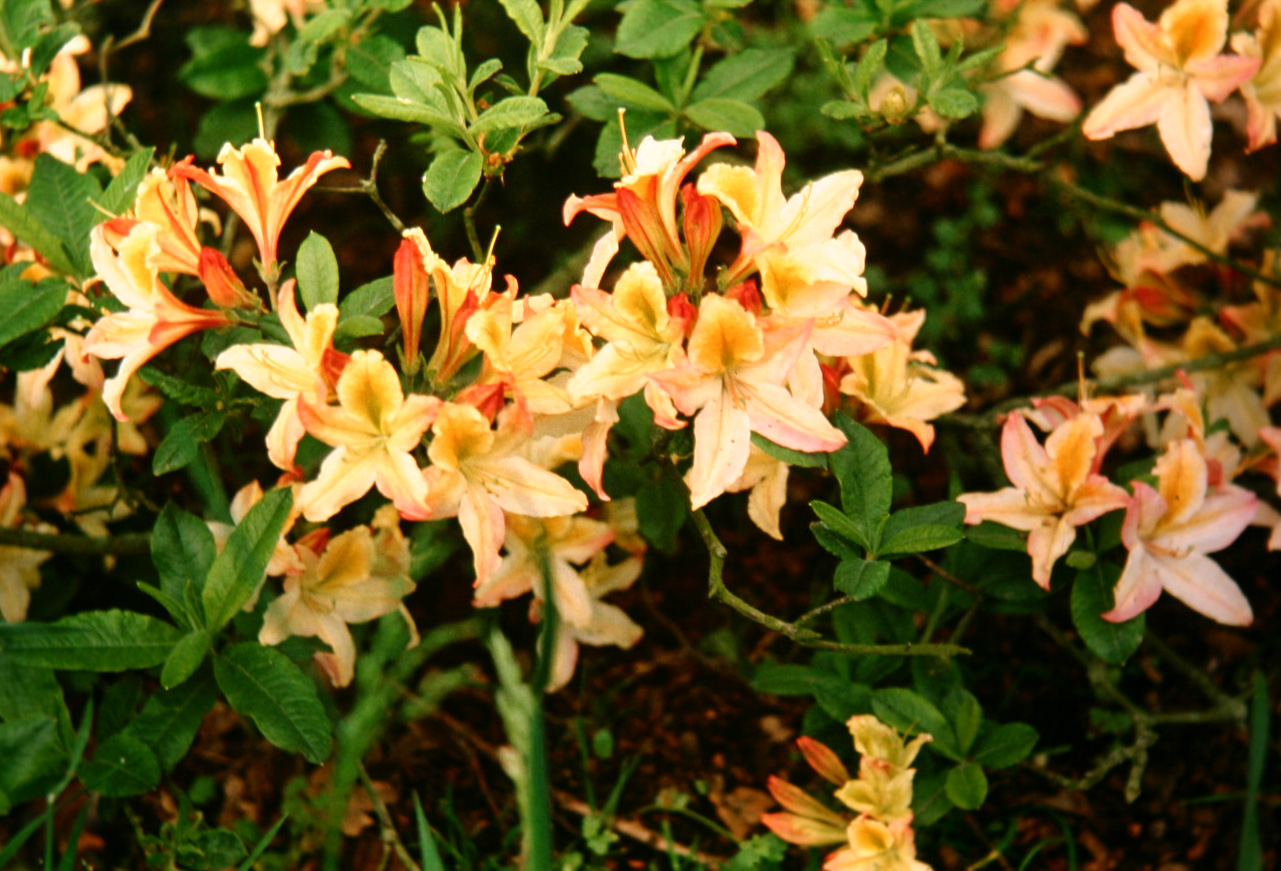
(863,469)
(1250,854)
(632,94)
(1114,643)
(451,178)
(91,641)
(658,28)
(317,271)
(29,692)
(28,307)
(181,445)
(428,854)
(509,114)
(400,109)
(370,61)
(789,456)
(745,76)
(661,510)
(997,537)
(186,657)
(966,715)
(373,299)
(121,766)
(835,543)
(731,116)
(926,45)
(842,26)
(841,699)
(182,549)
(238,570)
(234,121)
(483,73)
(838,522)
(229,72)
(967,786)
(869,66)
(62,200)
(119,195)
(953,103)
(918,539)
(358,327)
(265,685)
(33,755)
(591,102)
(911,713)
(19,220)
(170,719)
(528,17)
(1006,745)
(179,390)
(861,579)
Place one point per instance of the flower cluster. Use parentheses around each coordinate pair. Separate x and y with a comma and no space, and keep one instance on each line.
(880,838)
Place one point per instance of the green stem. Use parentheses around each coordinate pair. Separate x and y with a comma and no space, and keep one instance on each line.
(127,544)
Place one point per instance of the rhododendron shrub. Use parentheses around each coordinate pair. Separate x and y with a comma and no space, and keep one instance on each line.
(479,440)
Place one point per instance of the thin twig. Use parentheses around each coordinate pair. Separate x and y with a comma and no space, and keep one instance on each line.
(128,544)
(638,831)
(804,637)
(385,823)
(369,187)
(1208,688)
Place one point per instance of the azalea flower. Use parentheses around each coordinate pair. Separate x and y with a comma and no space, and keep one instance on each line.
(873,845)
(155,318)
(19,566)
(1262,93)
(900,387)
(373,429)
(1168,531)
(360,575)
(307,371)
(251,185)
(805,270)
(1180,69)
(476,473)
(1055,488)
(732,379)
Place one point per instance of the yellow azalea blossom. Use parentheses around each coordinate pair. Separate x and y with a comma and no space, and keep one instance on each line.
(875,740)
(304,371)
(83,112)
(165,200)
(477,473)
(155,318)
(362,574)
(1056,488)
(805,270)
(373,429)
(1180,71)
(897,386)
(766,479)
(1170,529)
(732,379)
(250,184)
(518,359)
(873,845)
(19,566)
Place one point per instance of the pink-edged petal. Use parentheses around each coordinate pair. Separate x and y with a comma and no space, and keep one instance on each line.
(1198,582)
(1138,587)
(1219,76)
(857,331)
(342,480)
(784,420)
(1140,39)
(522,487)
(1046,544)
(1185,128)
(722,442)
(1223,517)
(1045,96)
(1136,102)
(1026,462)
(483,527)
(1008,507)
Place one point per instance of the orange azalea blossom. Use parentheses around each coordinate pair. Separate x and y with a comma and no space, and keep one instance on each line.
(732,379)
(251,185)
(1055,488)
(1170,529)
(411,279)
(476,473)
(643,207)
(881,836)
(1180,70)
(373,429)
(155,318)
(19,566)
(308,370)
(164,199)
(1263,92)
(360,575)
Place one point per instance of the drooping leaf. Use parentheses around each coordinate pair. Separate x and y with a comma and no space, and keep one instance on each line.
(861,579)
(1114,643)
(62,200)
(236,572)
(967,786)
(1005,745)
(187,656)
(28,307)
(862,467)
(26,227)
(265,685)
(170,719)
(182,549)
(101,641)
(181,445)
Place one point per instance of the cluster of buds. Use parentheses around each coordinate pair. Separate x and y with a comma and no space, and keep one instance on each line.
(880,837)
